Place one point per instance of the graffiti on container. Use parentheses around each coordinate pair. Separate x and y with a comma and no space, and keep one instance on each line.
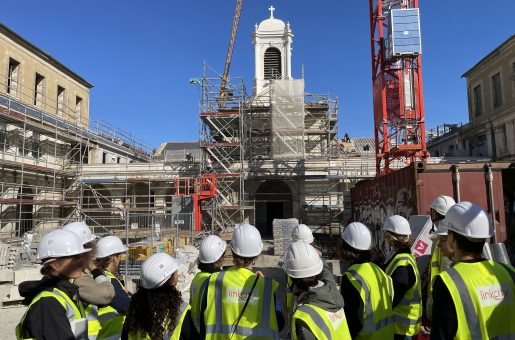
(373,211)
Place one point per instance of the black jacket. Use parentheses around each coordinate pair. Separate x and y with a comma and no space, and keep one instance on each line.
(46,319)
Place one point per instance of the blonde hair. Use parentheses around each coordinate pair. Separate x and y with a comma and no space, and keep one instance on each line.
(398,241)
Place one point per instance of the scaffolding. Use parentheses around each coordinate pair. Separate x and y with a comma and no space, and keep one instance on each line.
(281,134)
(44,146)
(221,143)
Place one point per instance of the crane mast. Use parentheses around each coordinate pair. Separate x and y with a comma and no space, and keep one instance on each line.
(232,39)
(399,125)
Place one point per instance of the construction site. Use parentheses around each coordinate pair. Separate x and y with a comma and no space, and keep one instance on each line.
(271,156)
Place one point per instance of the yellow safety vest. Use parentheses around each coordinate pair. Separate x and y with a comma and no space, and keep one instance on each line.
(91,315)
(196,293)
(483,294)
(226,295)
(289,292)
(435,265)
(111,323)
(174,335)
(407,315)
(323,324)
(74,314)
(376,291)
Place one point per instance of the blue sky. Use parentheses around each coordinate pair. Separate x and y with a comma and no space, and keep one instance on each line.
(141,54)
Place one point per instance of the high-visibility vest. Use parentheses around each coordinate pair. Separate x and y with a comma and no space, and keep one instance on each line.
(111,322)
(323,324)
(196,293)
(407,315)
(74,314)
(483,294)
(173,334)
(289,292)
(91,315)
(434,266)
(226,295)
(376,291)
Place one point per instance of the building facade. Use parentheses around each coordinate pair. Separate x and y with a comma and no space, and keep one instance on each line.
(490,131)
(47,138)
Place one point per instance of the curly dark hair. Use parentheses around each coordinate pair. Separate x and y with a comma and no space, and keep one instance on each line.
(150,310)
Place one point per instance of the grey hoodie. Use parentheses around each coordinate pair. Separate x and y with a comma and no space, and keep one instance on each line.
(325,295)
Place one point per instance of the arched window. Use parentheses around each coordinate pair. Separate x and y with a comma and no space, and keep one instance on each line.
(273,63)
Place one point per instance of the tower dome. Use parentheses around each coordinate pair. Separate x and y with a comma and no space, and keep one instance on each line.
(272,40)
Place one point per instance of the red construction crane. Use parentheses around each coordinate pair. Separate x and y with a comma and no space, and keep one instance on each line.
(399,126)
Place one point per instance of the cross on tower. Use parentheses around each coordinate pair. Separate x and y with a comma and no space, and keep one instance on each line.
(271,9)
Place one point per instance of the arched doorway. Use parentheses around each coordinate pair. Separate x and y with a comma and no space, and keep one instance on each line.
(273,200)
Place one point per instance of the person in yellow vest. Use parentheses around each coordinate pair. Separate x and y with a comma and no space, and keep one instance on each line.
(299,233)
(55,310)
(319,312)
(211,252)
(367,291)
(440,260)
(108,256)
(94,287)
(156,310)
(401,266)
(474,299)
(237,303)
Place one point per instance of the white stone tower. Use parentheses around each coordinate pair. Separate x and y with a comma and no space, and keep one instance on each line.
(272,52)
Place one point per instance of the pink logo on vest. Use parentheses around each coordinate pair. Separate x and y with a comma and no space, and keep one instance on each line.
(494,294)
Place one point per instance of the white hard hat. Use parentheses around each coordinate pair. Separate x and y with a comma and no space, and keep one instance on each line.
(443,228)
(212,249)
(442,203)
(157,269)
(302,260)
(60,243)
(358,236)
(108,246)
(302,233)
(82,230)
(469,220)
(246,241)
(397,224)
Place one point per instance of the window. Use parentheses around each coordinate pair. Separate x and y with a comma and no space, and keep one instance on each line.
(503,140)
(36,145)
(3,136)
(497,90)
(478,101)
(78,109)
(39,90)
(61,93)
(273,63)
(104,158)
(13,77)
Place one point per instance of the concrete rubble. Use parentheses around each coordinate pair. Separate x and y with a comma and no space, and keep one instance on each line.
(188,256)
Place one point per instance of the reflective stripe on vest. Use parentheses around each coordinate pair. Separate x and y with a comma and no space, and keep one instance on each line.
(407,314)
(321,323)
(111,322)
(196,292)
(176,332)
(483,293)
(73,313)
(436,263)
(93,321)
(377,305)
(221,316)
